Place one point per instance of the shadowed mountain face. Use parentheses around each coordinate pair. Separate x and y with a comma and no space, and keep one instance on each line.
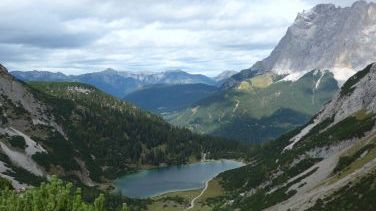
(163,99)
(118,83)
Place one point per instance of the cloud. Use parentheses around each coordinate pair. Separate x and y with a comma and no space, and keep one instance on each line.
(77,36)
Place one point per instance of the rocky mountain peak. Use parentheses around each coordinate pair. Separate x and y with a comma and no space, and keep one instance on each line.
(324,8)
(325,37)
(360,4)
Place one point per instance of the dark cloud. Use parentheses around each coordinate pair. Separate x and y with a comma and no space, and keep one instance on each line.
(45,40)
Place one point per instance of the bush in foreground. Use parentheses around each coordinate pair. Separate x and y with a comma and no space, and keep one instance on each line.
(52,196)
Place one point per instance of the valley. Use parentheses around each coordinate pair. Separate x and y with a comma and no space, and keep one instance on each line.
(80,145)
(261,108)
(165,129)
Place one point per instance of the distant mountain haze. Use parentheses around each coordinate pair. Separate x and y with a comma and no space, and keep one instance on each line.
(163,99)
(261,108)
(121,83)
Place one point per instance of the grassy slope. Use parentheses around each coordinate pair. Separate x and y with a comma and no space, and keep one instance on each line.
(180,200)
(256,110)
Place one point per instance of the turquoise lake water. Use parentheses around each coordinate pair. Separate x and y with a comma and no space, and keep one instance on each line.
(147,183)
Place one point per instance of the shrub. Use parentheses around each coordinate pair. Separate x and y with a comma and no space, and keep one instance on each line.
(18,142)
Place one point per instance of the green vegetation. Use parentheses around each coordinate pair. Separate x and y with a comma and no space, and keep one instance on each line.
(348,87)
(17,141)
(169,98)
(359,196)
(12,110)
(177,201)
(271,168)
(61,152)
(259,110)
(51,196)
(110,137)
(5,184)
(290,172)
(106,132)
(19,173)
(348,128)
(345,161)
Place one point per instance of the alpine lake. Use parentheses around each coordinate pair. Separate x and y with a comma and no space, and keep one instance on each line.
(158,181)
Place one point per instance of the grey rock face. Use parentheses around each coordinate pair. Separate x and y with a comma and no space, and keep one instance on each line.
(361,98)
(224,75)
(325,37)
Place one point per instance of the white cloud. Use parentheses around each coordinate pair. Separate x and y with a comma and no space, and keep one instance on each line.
(76,36)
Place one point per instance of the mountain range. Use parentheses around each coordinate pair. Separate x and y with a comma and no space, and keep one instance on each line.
(320,50)
(121,83)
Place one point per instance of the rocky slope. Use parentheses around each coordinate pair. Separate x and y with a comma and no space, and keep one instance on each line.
(223,76)
(325,37)
(324,165)
(79,133)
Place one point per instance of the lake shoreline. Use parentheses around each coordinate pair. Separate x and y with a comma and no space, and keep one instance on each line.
(139,179)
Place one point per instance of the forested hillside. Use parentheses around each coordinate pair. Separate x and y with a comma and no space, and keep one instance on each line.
(118,136)
(82,134)
(164,99)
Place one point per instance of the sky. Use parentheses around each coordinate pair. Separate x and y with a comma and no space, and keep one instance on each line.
(197,36)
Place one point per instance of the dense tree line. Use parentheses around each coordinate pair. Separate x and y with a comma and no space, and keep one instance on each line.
(106,132)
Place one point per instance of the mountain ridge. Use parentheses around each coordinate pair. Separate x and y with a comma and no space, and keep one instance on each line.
(118,83)
(343,46)
(261,108)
